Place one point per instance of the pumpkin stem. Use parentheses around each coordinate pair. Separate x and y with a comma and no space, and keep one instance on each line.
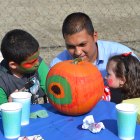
(77,60)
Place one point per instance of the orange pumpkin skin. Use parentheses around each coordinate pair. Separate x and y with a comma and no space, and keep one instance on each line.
(74,89)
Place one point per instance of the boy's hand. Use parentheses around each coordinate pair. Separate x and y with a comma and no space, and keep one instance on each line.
(10,98)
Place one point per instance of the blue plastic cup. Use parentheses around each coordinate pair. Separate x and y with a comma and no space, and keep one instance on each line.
(25,99)
(126,120)
(11,119)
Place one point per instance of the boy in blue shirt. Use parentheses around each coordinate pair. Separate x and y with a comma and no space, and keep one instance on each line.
(82,41)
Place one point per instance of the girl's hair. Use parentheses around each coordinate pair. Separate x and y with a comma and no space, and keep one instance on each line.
(128,66)
(17,45)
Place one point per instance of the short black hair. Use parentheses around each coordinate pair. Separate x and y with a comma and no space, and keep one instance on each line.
(77,22)
(17,45)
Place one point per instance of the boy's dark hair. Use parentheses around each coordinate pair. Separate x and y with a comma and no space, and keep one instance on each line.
(77,22)
(17,45)
(128,67)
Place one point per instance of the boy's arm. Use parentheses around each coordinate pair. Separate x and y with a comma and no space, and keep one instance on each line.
(43,71)
(3,96)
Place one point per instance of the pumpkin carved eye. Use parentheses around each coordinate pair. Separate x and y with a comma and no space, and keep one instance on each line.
(59,90)
(56,89)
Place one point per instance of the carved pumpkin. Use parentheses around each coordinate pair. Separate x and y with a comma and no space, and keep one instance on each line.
(74,89)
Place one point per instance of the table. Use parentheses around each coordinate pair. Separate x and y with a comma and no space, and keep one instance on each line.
(59,126)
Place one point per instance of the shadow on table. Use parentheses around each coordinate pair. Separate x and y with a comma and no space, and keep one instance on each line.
(1,127)
(50,108)
(111,125)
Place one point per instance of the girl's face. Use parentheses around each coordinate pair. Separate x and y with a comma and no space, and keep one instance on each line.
(112,80)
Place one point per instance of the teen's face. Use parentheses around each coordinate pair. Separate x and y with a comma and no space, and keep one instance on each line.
(82,45)
(31,64)
(112,80)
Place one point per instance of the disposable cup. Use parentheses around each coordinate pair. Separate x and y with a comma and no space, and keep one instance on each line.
(25,99)
(11,119)
(126,120)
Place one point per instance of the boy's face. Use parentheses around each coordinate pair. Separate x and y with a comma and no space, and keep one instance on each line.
(31,64)
(82,45)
